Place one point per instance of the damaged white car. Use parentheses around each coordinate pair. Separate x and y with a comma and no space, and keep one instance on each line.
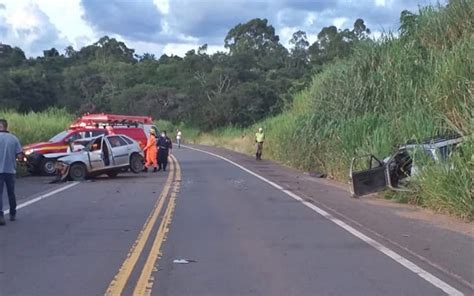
(108,155)
(395,171)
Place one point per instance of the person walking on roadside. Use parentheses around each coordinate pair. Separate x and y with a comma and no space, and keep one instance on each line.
(164,146)
(150,152)
(10,149)
(259,139)
(178,138)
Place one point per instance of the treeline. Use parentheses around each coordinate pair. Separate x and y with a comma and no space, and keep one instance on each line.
(411,86)
(255,78)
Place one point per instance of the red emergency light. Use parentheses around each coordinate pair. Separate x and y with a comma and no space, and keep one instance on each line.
(104,119)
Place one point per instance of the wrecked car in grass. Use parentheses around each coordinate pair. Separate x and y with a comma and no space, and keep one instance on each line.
(395,171)
(108,155)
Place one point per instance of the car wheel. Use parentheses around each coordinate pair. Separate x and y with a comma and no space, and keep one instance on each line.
(48,167)
(136,163)
(112,174)
(77,172)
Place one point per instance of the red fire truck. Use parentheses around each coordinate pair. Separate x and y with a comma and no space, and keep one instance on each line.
(87,126)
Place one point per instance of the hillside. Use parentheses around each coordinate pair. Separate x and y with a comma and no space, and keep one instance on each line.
(399,88)
(320,104)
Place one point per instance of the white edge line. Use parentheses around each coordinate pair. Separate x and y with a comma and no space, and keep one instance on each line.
(41,197)
(393,255)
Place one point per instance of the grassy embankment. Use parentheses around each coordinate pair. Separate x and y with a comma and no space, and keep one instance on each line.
(41,126)
(389,91)
(35,127)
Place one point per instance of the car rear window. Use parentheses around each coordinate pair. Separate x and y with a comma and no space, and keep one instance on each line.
(127,140)
(116,141)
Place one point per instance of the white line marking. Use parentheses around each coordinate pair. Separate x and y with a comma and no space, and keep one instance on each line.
(41,197)
(395,256)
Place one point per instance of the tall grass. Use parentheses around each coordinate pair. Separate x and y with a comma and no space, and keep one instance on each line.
(40,126)
(188,133)
(35,127)
(389,91)
(450,186)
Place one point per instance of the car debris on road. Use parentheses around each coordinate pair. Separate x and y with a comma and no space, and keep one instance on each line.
(183,261)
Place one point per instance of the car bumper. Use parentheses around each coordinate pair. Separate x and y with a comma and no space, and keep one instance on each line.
(33,161)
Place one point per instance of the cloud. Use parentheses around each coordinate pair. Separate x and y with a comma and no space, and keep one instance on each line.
(307,5)
(291,17)
(158,26)
(211,20)
(29,28)
(136,20)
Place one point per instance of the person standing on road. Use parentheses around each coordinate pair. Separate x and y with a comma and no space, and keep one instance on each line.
(259,139)
(178,138)
(150,152)
(10,149)
(164,146)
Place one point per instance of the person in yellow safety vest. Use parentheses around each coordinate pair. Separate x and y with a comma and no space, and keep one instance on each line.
(259,139)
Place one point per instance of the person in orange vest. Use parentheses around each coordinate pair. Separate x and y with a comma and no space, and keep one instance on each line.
(151,152)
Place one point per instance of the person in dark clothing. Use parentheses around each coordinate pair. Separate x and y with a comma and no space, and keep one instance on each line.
(164,146)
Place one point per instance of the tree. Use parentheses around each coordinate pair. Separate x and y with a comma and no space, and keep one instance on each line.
(360,29)
(34,92)
(299,41)
(147,57)
(255,36)
(108,49)
(9,93)
(145,99)
(408,23)
(11,56)
(51,53)
(70,51)
(333,43)
(299,51)
(202,49)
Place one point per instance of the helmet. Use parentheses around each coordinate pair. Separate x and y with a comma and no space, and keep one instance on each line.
(260,129)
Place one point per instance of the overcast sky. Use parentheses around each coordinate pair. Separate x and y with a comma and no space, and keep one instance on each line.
(176,26)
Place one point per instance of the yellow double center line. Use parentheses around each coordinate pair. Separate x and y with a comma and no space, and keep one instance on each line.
(145,281)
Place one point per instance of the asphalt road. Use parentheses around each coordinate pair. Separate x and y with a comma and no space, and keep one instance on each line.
(239,235)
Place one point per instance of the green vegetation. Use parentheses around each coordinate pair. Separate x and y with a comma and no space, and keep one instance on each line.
(320,104)
(35,127)
(254,79)
(414,86)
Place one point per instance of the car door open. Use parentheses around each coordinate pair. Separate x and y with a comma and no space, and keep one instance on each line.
(96,155)
(368,178)
(120,150)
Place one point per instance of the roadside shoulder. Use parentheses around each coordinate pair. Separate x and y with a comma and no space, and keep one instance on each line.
(442,242)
